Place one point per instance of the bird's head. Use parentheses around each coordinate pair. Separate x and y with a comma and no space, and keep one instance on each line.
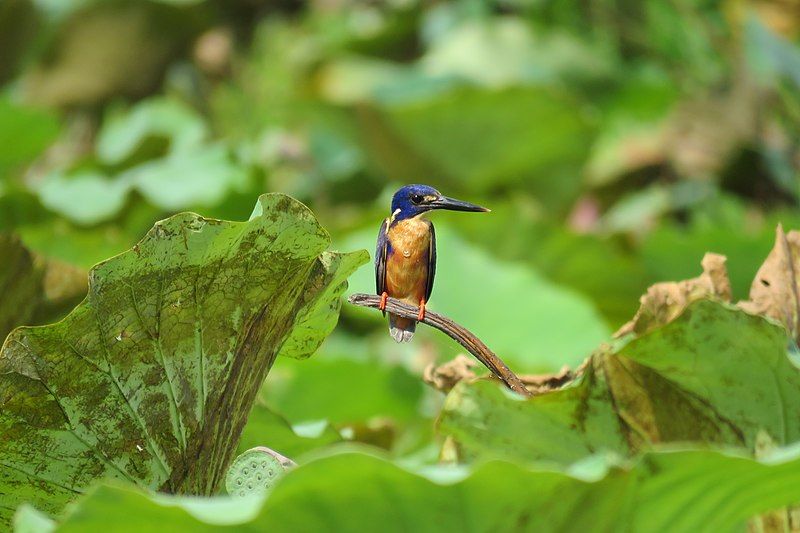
(413,200)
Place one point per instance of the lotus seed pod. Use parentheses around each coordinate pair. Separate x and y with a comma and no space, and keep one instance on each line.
(256,471)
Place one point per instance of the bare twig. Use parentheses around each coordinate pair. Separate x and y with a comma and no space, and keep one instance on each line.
(456,332)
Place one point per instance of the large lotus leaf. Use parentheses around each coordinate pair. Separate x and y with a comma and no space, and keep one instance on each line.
(714,375)
(151,378)
(479,138)
(667,491)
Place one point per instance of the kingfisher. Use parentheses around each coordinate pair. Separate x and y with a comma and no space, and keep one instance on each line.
(405,257)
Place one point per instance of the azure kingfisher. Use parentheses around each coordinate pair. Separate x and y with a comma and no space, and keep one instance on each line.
(405,258)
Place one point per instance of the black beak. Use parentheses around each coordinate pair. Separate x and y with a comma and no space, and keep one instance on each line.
(452,204)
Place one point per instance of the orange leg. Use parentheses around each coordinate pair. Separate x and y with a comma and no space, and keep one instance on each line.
(382,305)
(421,315)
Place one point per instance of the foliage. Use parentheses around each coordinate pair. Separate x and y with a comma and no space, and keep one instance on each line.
(151,378)
(616,144)
(714,375)
(600,493)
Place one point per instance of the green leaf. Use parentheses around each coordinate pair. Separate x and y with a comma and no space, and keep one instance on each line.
(479,139)
(28,519)
(201,176)
(24,134)
(320,302)
(267,428)
(567,258)
(596,496)
(84,197)
(151,378)
(343,492)
(532,324)
(714,375)
(187,173)
(383,391)
(104,504)
(634,132)
(123,133)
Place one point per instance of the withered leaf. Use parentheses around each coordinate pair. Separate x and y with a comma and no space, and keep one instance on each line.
(445,376)
(663,302)
(774,290)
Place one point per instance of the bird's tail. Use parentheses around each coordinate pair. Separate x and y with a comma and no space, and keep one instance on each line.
(401,329)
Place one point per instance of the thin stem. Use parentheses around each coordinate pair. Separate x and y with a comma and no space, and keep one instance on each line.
(455,331)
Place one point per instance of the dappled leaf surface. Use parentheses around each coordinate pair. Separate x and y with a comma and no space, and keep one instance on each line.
(714,375)
(151,378)
(346,491)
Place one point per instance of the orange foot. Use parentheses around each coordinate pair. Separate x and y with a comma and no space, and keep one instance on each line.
(421,315)
(382,305)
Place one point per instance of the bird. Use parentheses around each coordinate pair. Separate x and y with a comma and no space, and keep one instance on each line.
(405,256)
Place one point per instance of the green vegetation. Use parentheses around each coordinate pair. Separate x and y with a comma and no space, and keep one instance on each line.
(616,144)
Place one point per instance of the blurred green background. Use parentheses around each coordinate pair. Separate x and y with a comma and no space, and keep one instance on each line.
(616,141)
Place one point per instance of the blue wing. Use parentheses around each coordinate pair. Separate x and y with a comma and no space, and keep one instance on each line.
(431,264)
(381,250)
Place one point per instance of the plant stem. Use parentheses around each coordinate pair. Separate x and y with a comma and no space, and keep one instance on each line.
(453,330)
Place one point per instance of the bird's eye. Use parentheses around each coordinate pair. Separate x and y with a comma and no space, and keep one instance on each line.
(417,199)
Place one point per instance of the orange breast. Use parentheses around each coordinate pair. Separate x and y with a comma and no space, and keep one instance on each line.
(407,266)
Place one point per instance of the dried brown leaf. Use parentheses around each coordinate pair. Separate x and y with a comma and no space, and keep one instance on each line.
(541,383)
(445,376)
(663,302)
(774,290)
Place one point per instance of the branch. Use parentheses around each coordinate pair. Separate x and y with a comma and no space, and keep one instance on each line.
(456,332)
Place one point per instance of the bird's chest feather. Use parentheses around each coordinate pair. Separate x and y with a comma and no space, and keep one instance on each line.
(407,260)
